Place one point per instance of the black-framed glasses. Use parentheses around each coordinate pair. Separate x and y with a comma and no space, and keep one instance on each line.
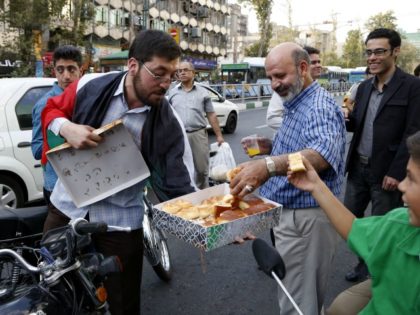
(156,77)
(71,69)
(376,52)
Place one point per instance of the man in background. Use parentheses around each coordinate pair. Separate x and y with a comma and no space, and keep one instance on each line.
(67,61)
(387,112)
(275,107)
(192,103)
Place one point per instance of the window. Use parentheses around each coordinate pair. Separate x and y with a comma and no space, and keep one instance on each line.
(24,106)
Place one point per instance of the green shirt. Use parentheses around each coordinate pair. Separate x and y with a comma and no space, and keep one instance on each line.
(390,247)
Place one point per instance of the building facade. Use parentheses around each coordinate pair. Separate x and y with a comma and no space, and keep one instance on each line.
(199,26)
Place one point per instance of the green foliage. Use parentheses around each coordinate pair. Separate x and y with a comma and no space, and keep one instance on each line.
(283,34)
(253,50)
(353,50)
(382,20)
(263,11)
(330,58)
(407,59)
(51,17)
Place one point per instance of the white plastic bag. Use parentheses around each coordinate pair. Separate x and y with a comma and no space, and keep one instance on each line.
(221,161)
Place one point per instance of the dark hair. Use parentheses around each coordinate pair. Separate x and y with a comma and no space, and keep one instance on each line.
(300,54)
(67,52)
(367,70)
(311,50)
(394,39)
(413,145)
(151,43)
(417,71)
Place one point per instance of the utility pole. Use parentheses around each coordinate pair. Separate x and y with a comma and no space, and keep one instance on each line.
(145,17)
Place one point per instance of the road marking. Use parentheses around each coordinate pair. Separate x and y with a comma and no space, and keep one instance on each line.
(261,126)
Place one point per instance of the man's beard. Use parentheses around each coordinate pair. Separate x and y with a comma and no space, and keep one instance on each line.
(142,94)
(294,89)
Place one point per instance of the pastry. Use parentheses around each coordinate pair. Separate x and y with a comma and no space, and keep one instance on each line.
(296,163)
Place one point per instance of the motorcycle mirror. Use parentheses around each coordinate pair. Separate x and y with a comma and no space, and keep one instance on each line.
(268,258)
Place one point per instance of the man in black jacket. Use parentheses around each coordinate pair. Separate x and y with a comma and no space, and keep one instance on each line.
(386,112)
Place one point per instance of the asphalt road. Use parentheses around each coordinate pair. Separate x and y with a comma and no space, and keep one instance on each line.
(226,281)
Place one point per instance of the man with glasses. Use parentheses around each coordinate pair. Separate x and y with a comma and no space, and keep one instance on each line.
(192,103)
(137,96)
(275,107)
(387,112)
(67,61)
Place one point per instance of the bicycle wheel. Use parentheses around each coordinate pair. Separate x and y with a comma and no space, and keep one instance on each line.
(163,268)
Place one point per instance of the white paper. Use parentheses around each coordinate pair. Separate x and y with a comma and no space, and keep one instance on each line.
(94,174)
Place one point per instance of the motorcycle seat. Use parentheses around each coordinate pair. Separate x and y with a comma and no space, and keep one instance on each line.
(21,222)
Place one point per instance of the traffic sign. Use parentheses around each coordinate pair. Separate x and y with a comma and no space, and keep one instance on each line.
(174,32)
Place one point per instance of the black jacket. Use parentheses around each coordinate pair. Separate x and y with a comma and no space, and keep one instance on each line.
(398,117)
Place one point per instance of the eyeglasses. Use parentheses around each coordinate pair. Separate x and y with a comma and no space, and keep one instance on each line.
(184,70)
(314,62)
(70,69)
(156,77)
(376,52)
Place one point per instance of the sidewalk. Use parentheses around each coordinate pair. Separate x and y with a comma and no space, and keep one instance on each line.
(251,104)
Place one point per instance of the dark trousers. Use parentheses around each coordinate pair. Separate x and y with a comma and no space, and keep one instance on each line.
(123,288)
(362,189)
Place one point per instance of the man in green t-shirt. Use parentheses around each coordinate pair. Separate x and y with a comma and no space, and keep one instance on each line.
(389,244)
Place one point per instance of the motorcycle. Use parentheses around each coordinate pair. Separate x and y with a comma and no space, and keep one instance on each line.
(61,272)
(67,276)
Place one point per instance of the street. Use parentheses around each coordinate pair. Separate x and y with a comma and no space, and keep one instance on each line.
(226,280)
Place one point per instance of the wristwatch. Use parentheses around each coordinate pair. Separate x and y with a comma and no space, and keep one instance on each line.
(271,166)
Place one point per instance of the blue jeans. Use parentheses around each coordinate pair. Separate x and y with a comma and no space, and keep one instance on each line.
(362,188)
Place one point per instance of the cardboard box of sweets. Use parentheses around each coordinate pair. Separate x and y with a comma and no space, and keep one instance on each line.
(203,235)
(91,175)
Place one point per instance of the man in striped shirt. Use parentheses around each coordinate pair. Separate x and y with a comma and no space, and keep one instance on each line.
(313,125)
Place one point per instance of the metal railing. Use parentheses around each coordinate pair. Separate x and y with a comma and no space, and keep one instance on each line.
(254,91)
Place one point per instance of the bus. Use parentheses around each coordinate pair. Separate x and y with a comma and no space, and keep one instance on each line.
(333,74)
(357,74)
(248,71)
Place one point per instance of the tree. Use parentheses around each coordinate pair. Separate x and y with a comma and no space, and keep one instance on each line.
(408,55)
(353,50)
(263,11)
(407,58)
(31,21)
(331,59)
(382,20)
(283,34)
(253,50)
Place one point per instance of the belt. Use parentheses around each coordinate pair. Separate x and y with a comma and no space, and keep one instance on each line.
(364,160)
(191,131)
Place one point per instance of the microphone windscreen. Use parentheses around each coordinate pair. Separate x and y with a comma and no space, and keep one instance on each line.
(268,258)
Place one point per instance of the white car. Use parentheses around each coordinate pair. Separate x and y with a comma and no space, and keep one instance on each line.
(20,174)
(21,178)
(226,111)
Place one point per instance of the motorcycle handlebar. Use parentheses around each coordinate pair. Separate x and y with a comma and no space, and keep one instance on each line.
(83,227)
(20,259)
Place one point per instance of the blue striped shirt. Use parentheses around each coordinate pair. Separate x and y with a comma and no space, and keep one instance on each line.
(311,120)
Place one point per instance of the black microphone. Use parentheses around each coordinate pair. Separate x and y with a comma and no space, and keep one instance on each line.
(268,258)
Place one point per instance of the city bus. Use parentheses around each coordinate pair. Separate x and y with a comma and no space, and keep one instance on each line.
(248,71)
(357,75)
(333,74)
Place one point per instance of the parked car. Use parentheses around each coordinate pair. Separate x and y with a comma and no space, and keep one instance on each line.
(21,178)
(226,111)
